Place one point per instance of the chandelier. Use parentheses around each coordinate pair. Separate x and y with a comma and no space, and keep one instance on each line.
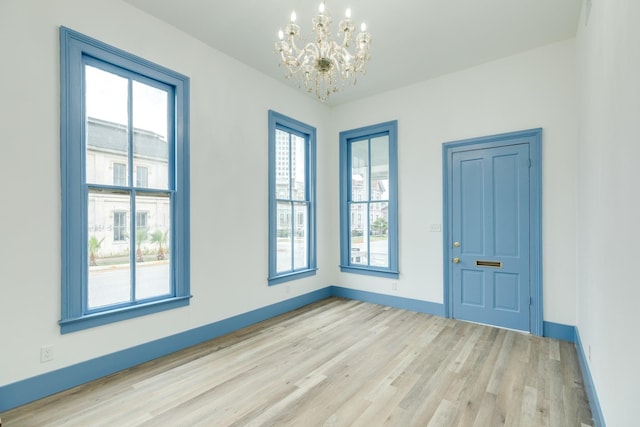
(324,65)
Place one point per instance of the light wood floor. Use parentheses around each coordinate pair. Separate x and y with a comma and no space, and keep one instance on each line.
(337,363)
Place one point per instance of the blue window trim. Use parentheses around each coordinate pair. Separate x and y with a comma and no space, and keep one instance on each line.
(280,121)
(346,137)
(75,49)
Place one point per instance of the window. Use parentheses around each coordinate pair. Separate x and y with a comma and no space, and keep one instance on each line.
(119,174)
(369,200)
(142,177)
(119,226)
(142,220)
(292,235)
(118,110)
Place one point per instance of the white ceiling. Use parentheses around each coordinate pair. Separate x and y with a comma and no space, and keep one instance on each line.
(413,40)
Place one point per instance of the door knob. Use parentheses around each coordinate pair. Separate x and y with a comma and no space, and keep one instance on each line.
(456,244)
(456,260)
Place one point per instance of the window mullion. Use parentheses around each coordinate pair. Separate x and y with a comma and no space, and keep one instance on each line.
(133,243)
(369,192)
(292,233)
(290,168)
(292,203)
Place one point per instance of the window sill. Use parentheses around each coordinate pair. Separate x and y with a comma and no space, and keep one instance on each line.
(116,315)
(291,276)
(368,271)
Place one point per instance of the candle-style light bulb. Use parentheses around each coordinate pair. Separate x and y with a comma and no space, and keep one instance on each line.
(363,27)
(321,7)
(293,16)
(280,34)
(347,13)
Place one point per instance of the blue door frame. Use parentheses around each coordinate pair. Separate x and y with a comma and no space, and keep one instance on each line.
(533,137)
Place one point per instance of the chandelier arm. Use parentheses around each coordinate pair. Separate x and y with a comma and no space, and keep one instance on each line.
(346,39)
(294,49)
(314,49)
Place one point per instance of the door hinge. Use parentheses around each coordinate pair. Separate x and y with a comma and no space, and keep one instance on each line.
(529,165)
(530,300)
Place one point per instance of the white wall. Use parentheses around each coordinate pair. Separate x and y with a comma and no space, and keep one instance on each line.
(609,210)
(229,104)
(529,90)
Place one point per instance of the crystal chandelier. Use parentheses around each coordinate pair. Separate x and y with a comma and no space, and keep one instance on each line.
(324,65)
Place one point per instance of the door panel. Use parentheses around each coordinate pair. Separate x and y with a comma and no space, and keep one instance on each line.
(490,220)
(472,288)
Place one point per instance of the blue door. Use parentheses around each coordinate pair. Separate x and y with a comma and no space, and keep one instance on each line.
(490,232)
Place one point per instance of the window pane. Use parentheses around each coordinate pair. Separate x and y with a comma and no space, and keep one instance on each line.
(284,238)
(282,165)
(108,245)
(359,237)
(153,274)
(380,168)
(301,236)
(150,134)
(379,238)
(106,126)
(360,171)
(298,173)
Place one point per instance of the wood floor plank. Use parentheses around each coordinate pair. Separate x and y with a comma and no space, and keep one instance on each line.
(337,363)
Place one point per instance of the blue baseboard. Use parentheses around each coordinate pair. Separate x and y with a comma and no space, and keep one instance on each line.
(34,388)
(559,331)
(594,403)
(30,389)
(389,300)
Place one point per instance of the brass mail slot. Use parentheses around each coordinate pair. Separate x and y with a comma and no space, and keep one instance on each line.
(495,264)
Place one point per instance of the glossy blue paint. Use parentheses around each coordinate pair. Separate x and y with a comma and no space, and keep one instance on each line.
(389,300)
(287,277)
(490,220)
(370,271)
(346,138)
(34,388)
(559,331)
(123,313)
(76,50)
(501,239)
(287,124)
(594,402)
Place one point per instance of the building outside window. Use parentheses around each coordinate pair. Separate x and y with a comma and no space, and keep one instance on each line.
(120,232)
(142,177)
(119,174)
(142,220)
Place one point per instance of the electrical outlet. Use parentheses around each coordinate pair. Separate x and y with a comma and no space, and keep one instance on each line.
(46,354)
(394,286)
(589,352)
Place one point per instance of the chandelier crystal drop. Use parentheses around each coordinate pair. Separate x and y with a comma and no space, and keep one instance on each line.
(324,65)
